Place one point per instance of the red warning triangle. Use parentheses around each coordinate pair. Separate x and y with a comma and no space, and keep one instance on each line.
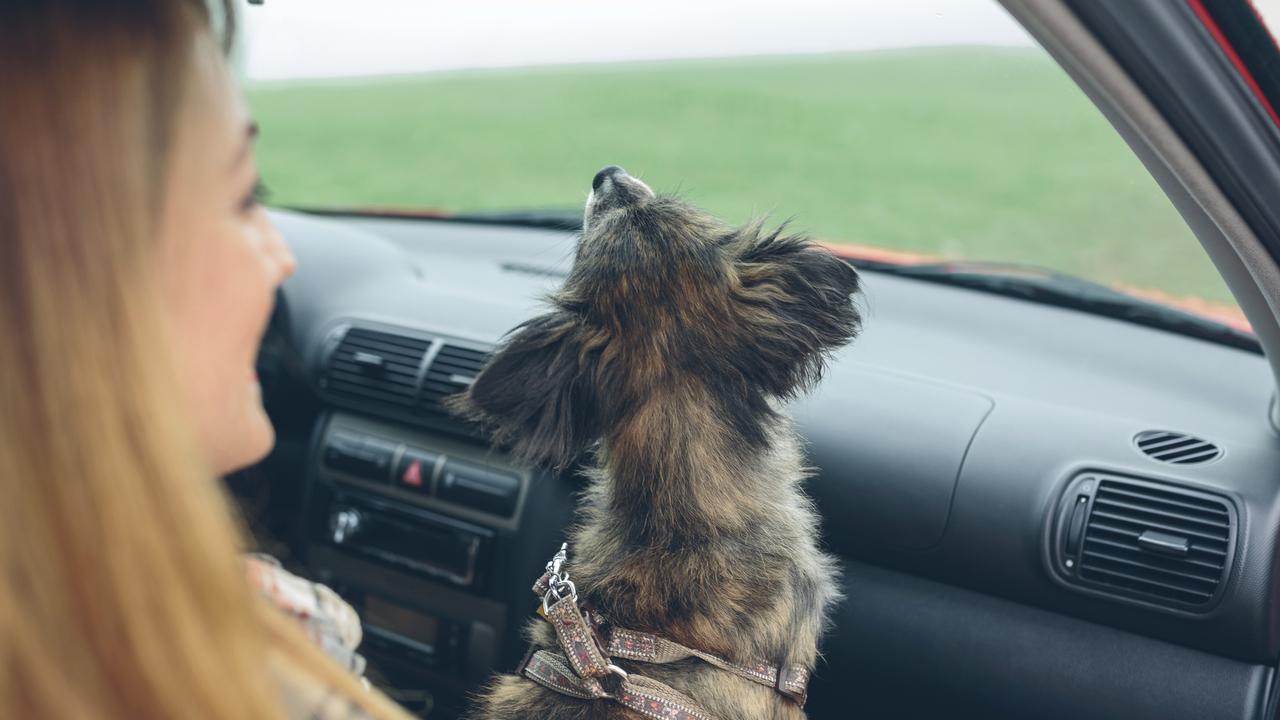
(412,475)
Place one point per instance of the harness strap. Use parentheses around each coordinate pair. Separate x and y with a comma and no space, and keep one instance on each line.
(648,697)
(577,638)
(792,681)
(550,670)
(542,585)
(586,660)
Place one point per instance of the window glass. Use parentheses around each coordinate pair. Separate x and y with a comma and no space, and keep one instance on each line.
(933,128)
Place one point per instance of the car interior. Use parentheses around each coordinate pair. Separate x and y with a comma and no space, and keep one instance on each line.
(1048,499)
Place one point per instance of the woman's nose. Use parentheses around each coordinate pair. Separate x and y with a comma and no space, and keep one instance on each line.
(284,259)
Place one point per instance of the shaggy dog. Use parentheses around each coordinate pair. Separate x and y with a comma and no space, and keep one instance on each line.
(672,343)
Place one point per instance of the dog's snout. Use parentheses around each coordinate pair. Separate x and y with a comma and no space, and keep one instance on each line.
(613,189)
(605,173)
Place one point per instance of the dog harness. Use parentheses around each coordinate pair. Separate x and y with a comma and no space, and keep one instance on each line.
(584,668)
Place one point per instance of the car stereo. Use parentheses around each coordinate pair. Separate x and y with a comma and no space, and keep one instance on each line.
(404,525)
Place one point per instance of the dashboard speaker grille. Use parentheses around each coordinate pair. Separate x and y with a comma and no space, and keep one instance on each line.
(374,366)
(452,371)
(1157,542)
(1176,448)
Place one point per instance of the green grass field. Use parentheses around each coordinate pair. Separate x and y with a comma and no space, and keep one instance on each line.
(963,153)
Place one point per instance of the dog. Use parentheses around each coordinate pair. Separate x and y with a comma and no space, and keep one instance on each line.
(668,352)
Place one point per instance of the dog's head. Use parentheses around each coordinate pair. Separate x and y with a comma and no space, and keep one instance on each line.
(664,299)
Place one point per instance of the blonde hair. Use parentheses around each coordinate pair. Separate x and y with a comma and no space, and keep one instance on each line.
(122,593)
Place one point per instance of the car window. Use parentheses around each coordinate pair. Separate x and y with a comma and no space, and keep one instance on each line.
(934,129)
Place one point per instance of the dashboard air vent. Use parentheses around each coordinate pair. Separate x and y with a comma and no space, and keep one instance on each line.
(1155,542)
(1176,448)
(535,270)
(375,367)
(452,371)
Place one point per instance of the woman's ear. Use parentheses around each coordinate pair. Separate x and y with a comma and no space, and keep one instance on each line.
(537,395)
(795,306)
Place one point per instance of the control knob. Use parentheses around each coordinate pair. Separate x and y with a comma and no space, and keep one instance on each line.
(344,524)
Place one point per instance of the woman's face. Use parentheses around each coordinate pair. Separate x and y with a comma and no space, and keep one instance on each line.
(221,262)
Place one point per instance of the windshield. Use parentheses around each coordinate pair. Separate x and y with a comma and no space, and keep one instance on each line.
(934,129)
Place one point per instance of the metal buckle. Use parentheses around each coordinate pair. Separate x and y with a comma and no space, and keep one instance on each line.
(557,592)
(613,688)
(780,684)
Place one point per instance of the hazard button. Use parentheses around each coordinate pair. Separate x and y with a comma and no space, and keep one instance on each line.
(412,475)
(415,470)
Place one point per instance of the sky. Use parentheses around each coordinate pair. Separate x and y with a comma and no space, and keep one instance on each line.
(300,39)
(303,39)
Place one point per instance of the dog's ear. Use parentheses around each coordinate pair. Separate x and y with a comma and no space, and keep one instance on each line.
(795,306)
(537,394)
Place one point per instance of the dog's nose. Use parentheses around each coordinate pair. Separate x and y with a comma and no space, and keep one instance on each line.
(607,172)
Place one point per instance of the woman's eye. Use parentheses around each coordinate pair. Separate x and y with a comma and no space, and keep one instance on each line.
(257,196)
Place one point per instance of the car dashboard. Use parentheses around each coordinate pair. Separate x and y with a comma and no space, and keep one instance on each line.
(1038,512)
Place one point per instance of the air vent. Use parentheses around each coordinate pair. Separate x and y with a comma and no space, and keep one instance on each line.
(535,270)
(381,373)
(370,366)
(452,371)
(1176,448)
(1151,541)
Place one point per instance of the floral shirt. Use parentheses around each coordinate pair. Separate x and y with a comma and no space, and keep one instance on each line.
(331,624)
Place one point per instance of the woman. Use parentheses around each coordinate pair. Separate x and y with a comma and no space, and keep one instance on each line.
(136,276)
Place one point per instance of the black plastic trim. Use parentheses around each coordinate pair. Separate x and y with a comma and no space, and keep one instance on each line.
(1184,73)
(908,648)
(1251,39)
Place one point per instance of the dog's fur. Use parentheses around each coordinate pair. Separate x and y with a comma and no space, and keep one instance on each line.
(671,343)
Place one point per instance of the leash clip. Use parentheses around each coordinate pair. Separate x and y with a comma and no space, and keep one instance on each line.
(558,560)
(557,592)
(559,586)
